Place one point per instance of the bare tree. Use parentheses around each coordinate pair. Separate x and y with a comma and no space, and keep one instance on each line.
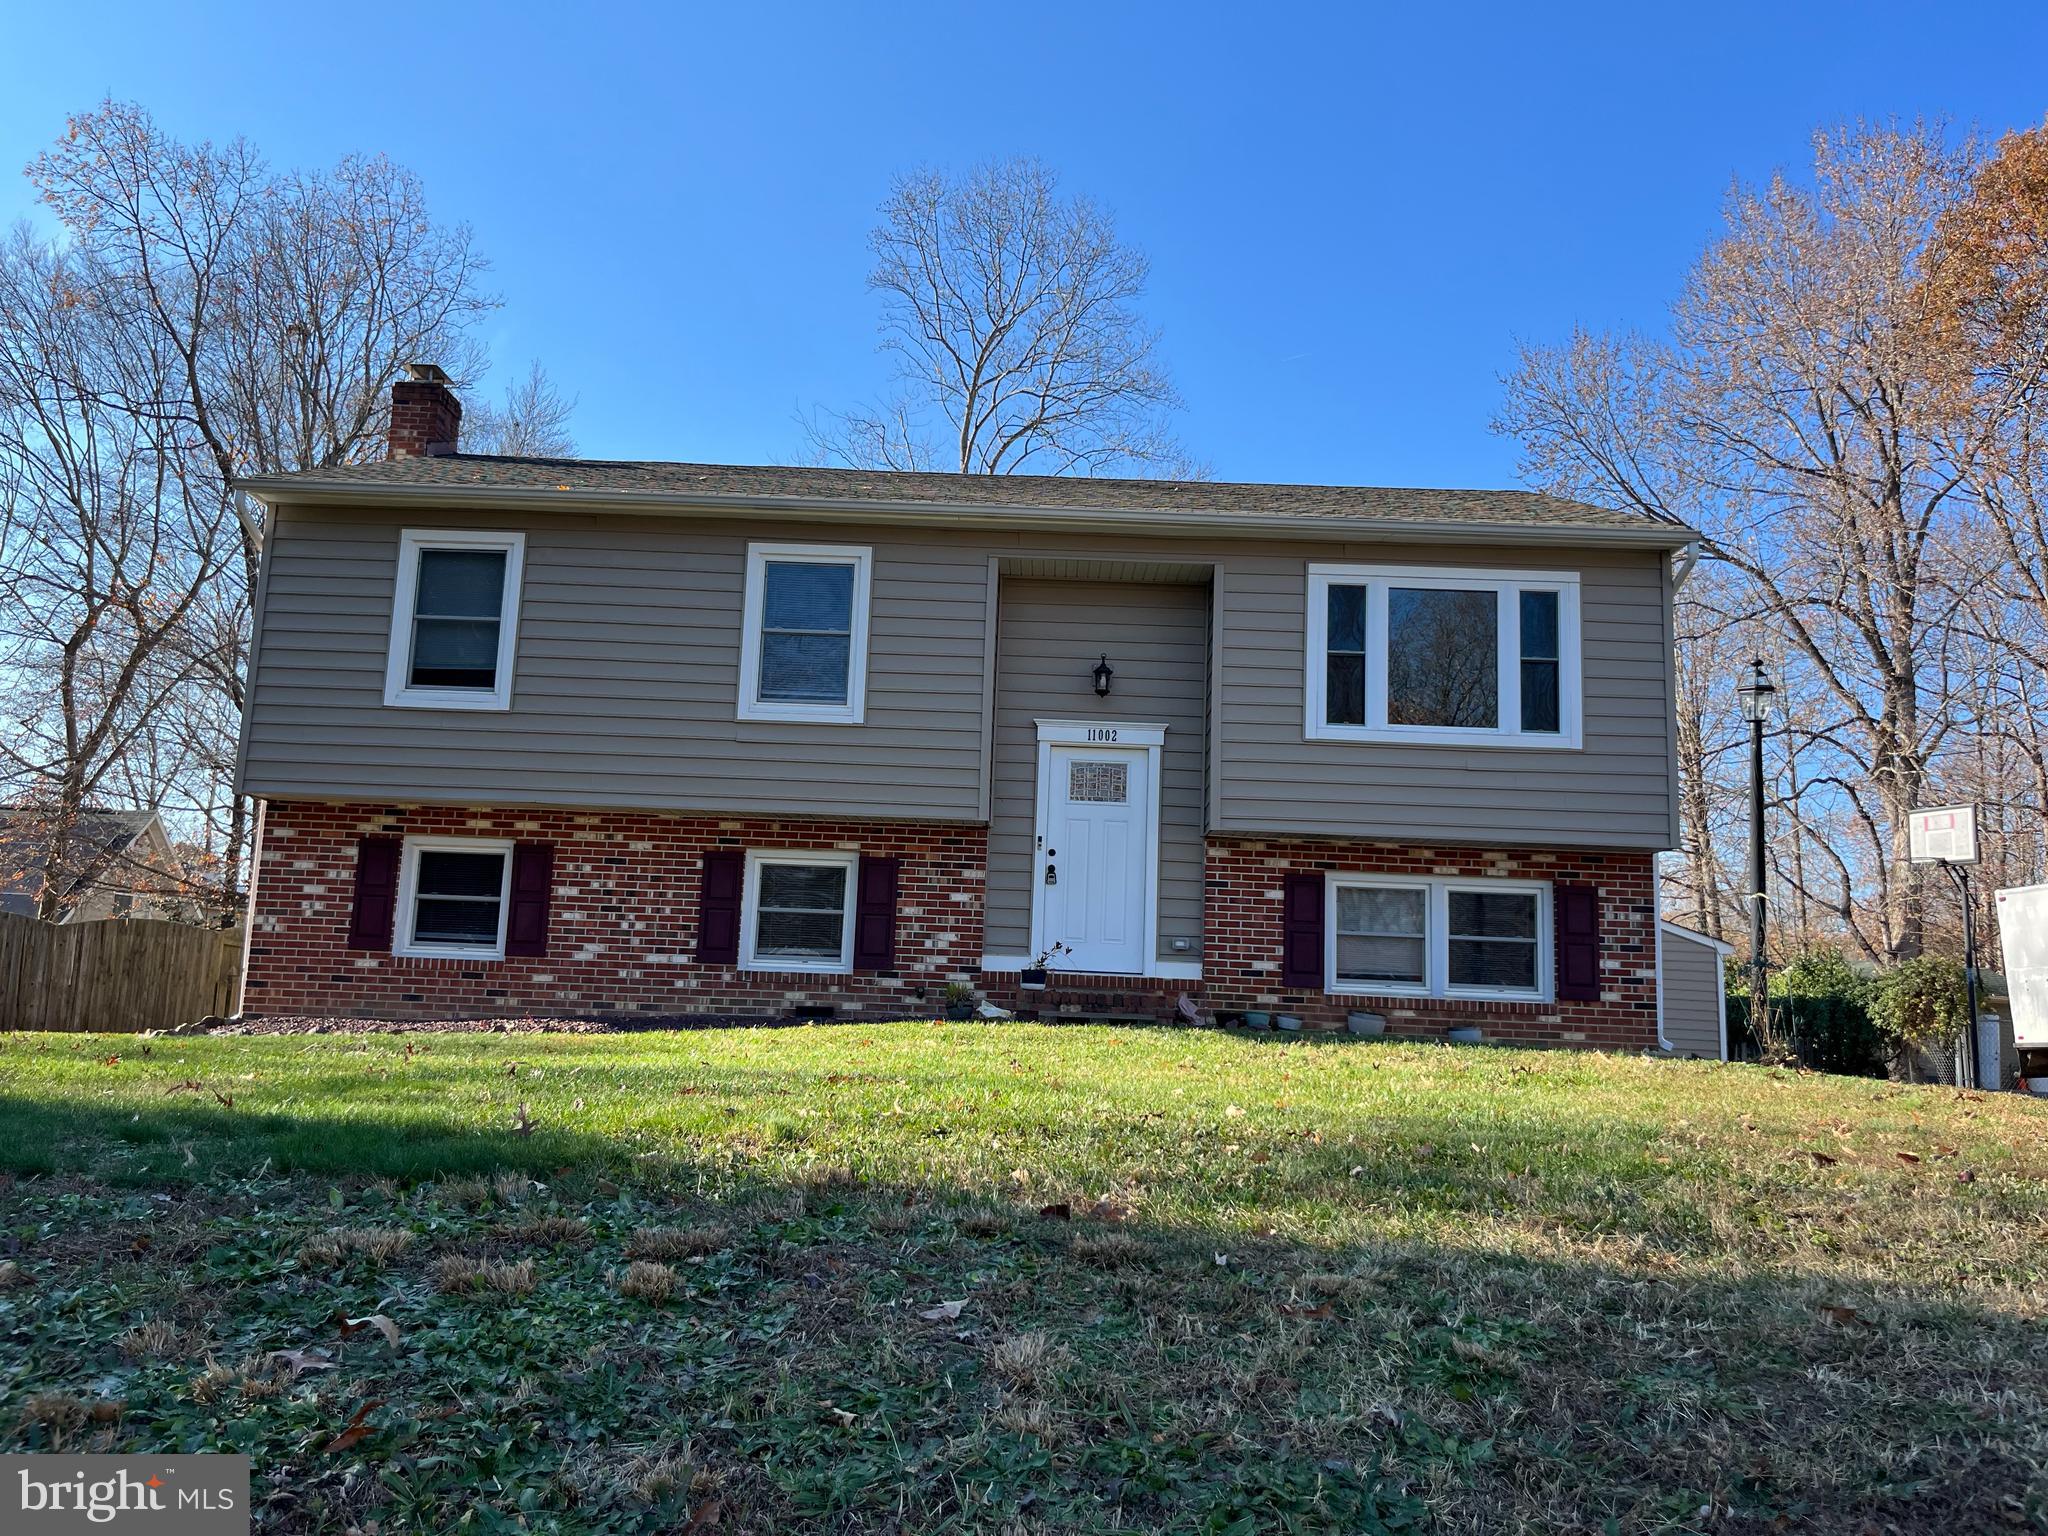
(1800,416)
(282,306)
(1009,311)
(531,422)
(106,552)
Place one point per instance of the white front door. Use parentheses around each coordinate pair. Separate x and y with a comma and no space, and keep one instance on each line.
(1095,850)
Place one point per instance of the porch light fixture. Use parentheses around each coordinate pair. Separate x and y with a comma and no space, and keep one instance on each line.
(1103,673)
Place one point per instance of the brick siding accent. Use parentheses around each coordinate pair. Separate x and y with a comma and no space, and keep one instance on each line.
(623,919)
(1243,934)
(622,925)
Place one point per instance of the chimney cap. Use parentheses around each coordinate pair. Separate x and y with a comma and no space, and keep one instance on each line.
(426,373)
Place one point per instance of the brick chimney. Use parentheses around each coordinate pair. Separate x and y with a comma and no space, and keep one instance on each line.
(426,418)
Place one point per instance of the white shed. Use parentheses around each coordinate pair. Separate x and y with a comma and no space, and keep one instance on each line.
(1692,1001)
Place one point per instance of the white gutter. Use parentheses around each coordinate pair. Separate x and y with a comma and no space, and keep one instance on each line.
(274,490)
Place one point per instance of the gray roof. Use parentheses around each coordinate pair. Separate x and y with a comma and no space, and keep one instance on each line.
(96,837)
(583,481)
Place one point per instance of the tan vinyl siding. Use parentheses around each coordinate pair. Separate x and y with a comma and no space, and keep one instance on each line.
(626,680)
(1049,636)
(1692,995)
(626,684)
(1615,792)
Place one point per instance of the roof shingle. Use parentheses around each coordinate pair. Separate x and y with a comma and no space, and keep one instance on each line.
(657,481)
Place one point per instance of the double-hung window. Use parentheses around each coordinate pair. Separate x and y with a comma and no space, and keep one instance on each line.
(454,620)
(1439,938)
(797,912)
(453,894)
(1443,657)
(803,648)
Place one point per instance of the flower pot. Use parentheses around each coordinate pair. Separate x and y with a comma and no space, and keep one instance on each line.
(1286,1021)
(1366,1023)
(1032,978)
(2038,1086)
(1258,1021)
(1467,1034)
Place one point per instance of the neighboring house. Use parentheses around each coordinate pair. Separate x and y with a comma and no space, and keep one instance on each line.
(117,864)
(1695,993)
(559,737)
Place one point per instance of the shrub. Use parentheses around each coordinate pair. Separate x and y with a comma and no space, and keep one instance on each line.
(1921,1002)
(1824,1003)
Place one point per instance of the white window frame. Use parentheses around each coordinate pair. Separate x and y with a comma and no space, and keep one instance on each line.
(399,691)
(751,705)
(750,909)
(402,940)
(1507,587)
(1437,939)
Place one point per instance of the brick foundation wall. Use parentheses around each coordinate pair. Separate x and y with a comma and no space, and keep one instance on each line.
(623,928)
(622,925)
(1242,939)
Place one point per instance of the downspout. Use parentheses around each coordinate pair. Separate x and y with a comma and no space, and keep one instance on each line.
(1682,563)
(1657,929)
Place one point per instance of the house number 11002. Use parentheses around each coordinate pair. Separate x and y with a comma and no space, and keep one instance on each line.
(1102,733)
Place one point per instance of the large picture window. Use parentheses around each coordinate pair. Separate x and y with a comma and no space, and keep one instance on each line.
(454,620)
(797,913)
(803,653)
(1443,656)
(1439,938)
(452,897)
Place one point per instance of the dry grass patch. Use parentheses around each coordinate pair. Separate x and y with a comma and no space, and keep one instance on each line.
(645,1280)
(153,1340)
(330,1250)
(1025,1359)
(985,1221)
(1109,1250)
(678,1242)
(456,1274)
(549,1231)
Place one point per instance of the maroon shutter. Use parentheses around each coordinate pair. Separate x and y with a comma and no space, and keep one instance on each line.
(1578,943)
(718,909)
(1301,919)
(369,925)
(874,915)
(533,883)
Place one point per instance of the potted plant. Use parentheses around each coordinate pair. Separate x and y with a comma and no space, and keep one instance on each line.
(1032,977)
(959,1000)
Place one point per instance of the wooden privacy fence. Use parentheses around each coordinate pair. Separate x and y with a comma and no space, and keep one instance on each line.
(123,974)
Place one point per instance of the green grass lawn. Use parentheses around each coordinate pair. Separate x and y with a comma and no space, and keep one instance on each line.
(955,1277)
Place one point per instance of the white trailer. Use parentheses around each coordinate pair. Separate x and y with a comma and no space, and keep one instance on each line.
(2023,936)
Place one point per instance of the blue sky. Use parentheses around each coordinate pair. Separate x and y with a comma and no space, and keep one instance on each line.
(1352,212)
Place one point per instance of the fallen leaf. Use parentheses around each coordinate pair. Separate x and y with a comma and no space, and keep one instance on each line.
(1844,1317)
(705,1516)
(355,1430)
(1317,1314)
(1909,1157)
(944,1312)
(1109,1210)
(302,1360)
(840,1416)
(1967,1176)
(1822,1158)
(1059,1210)
(524,1124)
(190,1085)
(377,1320)
(1223,1261)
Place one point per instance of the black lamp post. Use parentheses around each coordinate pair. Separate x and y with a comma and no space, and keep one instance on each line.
(1757,691)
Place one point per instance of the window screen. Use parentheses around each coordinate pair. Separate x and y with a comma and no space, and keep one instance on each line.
(457,607)
(806,631)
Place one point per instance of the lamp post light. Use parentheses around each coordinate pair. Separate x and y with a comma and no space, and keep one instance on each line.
(1758,692)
